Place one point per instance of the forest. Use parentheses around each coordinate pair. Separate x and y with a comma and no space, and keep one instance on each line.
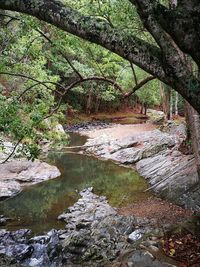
(116,80)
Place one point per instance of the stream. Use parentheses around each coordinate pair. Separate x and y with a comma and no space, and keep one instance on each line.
(38,206)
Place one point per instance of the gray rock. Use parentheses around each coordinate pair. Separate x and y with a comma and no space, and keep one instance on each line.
(88,126)
(17,173)
(9,189)
(59,128)
(95,233)
(171,176)
(155,116)
(136,235)
(41,251)
(170,173)
(146,259)
(132,148)
(86,210)
(3,220)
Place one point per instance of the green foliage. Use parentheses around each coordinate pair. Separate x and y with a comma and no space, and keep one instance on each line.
(150,94)
(26,102)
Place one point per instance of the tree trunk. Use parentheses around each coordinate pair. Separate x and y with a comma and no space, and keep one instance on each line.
(89,102)
(165,92)
(145,109)
(193,121)
(171,105)
(176,104)
(97,104)
(142,108)
(125,103)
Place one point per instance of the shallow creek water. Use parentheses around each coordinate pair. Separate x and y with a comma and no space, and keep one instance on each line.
(38,206)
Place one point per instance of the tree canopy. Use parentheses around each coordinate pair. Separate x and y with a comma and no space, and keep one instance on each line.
(172,34)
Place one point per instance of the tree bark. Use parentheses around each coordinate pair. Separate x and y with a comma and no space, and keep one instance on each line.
(145,109)
(141,108)
(176,104)
(165,92)
(89,101)
(97,104)
(193,121)
(171,105)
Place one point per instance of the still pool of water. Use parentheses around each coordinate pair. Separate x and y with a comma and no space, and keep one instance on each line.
(38,206)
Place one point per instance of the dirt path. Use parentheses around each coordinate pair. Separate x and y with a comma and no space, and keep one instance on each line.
(120,131)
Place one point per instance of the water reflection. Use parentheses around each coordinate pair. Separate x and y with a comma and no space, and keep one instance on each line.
(38,206)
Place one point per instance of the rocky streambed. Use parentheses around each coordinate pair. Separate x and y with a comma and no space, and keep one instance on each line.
(95,235)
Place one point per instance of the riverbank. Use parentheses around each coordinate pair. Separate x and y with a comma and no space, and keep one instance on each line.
(94,235)
(124,144)
(118,131)
(97,234)
(155,154)
(17,172)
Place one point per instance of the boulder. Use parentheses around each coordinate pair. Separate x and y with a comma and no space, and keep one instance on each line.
(156,154)
(155,116)
(174,176)
(132,148)
(87,209)
(17,173)
(59,128)
(9,189)
(94,231)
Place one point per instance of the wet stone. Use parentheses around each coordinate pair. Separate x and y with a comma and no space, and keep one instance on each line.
(94,236)
(4,220)
(145,259)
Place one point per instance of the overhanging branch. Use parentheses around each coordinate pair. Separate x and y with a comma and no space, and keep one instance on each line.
(97,79)
(44,83)
(141,53)
(139,85)
(60,52)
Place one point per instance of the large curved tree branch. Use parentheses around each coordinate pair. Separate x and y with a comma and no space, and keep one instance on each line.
(97,79)
(113,82)
(175,65)
(141,53)
(183,24)
(94,78)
